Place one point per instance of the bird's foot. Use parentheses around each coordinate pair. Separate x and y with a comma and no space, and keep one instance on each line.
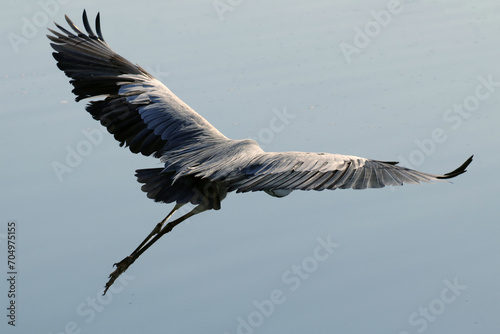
(120,268)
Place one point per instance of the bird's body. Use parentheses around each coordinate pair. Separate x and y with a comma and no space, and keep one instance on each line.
(201,165)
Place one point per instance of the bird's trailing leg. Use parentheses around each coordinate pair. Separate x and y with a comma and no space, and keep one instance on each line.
(157,228)
(156,234)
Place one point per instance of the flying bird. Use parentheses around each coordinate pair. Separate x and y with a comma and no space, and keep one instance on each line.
(201,165)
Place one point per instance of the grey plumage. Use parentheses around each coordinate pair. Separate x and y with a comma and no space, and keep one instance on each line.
(201,165)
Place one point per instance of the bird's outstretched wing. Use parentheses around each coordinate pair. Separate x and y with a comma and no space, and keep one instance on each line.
(137,108)
(280,173)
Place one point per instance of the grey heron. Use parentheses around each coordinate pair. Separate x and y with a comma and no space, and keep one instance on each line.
(201,165)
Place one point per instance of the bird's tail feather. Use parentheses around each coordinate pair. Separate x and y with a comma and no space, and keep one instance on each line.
(160,186)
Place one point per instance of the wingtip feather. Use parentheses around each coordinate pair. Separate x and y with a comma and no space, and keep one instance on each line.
(460,170)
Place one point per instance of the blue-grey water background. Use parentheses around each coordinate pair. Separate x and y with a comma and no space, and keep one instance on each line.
(368,78)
